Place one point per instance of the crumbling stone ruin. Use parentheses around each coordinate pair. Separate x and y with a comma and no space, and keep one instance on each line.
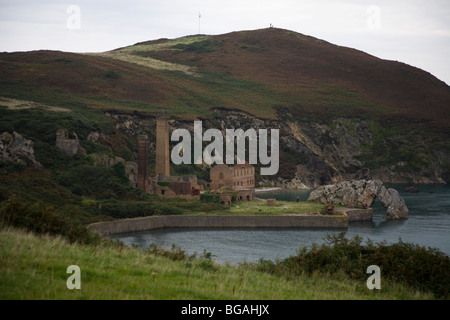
(69,144)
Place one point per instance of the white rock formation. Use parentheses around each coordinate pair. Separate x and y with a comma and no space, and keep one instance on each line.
(361,194)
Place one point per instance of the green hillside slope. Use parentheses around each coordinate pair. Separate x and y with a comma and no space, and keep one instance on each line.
(342,113)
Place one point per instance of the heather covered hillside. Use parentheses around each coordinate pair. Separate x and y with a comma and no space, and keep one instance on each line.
(342,113)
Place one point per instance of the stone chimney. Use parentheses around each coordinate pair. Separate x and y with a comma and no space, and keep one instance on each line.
(162,166)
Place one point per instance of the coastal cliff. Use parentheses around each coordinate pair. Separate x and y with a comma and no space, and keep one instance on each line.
(314,154)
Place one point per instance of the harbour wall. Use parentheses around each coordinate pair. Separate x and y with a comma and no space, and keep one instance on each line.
(338,220)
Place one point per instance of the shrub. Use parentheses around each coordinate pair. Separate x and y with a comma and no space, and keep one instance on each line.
(88,180)
(210,198)
(126,209)
(166,209)
(9,167)
(41,220)
(421,268)
(164,183)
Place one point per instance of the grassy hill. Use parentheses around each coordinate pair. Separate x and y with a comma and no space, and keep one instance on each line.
(259,71)
(34,267)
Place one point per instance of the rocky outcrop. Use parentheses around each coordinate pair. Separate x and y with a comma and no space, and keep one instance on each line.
(394,204)
(362,194)
(352,193)
(17,149)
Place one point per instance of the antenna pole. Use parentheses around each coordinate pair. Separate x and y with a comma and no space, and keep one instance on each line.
(199,16)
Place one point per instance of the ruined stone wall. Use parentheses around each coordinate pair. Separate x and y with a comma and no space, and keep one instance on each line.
(221,175)
(70,145)
(143,179)
(245,195)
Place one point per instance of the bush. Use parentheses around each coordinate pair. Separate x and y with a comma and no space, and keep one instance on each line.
(88,180)
(41,220)
(208,198)
(125,209)
(167,209)
(164,183)
(421,268)
(9,167)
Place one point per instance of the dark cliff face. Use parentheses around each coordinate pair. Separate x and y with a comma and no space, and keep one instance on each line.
(314,154)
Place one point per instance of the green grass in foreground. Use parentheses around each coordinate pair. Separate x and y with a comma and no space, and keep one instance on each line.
(34,267)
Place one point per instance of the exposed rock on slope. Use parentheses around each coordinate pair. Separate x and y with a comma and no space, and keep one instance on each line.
(361,194)
(17,149)
(312,154)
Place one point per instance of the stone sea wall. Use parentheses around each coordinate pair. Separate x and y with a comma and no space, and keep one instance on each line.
(209,221)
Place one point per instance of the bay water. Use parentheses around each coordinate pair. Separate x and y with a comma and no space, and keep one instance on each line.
(428,224)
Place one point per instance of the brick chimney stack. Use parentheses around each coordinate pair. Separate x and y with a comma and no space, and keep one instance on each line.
(162,166)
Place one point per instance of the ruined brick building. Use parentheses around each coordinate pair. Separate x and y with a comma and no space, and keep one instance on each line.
(239,177)
(161,182)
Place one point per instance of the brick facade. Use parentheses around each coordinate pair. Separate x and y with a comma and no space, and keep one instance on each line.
(239,177)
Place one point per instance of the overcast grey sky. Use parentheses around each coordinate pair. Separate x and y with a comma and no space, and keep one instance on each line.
(416,32)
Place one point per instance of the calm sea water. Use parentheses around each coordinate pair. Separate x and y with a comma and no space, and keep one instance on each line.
(428,224)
